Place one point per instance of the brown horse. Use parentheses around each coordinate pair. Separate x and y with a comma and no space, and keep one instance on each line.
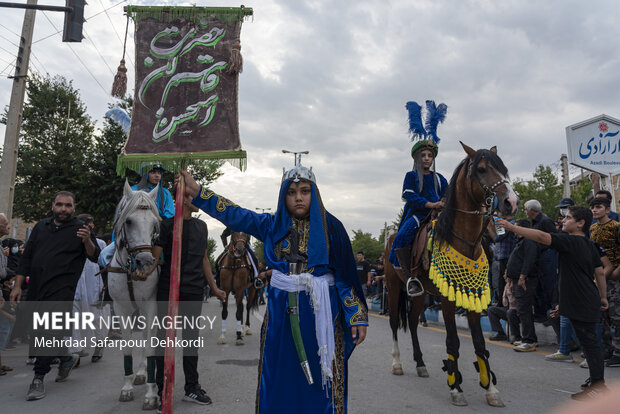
(478,186)
(236,276)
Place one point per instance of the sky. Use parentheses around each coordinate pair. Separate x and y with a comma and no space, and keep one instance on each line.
(332,77)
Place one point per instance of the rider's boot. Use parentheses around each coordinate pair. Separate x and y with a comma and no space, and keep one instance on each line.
(414,286)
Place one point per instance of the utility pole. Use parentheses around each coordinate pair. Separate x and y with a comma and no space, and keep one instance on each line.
(565,177)
(14,117)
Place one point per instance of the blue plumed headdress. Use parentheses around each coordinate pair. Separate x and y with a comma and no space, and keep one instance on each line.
(425,132)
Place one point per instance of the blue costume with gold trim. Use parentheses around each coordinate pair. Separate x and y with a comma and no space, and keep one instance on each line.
(282,385)
(414,211)
(164,201)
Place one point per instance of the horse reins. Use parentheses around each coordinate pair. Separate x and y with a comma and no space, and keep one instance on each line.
(129,267)
(490,197)
(231,250)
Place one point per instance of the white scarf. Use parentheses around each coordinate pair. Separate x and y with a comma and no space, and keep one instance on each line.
(318,289)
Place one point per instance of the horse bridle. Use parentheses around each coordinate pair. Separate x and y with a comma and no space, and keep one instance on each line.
(130,266)
(490,204)
(231,250)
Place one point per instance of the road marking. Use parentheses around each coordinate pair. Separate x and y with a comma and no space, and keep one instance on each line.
(463,335)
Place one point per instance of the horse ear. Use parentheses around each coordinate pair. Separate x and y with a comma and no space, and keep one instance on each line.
(471,153)
(153,193)
(127,189)
(494,149)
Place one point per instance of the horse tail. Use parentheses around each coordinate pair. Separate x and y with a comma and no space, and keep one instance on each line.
(254,303)
(401,314)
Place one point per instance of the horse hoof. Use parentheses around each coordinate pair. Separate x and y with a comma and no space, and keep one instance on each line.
(126,395)
(221,340)
(139,380)
(457,398)
(422,372)
(397,369)
(150,403)
(494,400)
(248,332)
(239,342)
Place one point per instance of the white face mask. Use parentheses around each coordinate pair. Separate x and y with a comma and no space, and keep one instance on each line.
(14,250)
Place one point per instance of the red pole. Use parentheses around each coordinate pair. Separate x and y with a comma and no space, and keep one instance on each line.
(173,299)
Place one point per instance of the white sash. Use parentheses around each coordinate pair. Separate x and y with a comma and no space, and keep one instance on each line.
(318,289)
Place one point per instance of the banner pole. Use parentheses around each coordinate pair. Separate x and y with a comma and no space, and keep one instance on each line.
(173,299)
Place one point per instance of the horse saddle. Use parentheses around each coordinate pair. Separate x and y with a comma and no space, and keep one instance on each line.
(420,259)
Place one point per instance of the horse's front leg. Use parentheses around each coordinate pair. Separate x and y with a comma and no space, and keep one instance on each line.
(222,339)
(239,315)
(414,317)
(248,308)
(150,398)
(487,377)
(451,365)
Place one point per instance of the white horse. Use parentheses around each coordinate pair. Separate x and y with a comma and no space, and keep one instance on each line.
(132,283)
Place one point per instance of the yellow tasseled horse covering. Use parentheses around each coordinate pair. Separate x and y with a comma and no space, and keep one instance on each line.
(459,278)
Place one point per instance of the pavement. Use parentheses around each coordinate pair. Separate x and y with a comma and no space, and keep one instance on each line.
(228,373)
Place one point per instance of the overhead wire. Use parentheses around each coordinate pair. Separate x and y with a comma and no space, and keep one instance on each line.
(78,58)
(9,30)
(86,19)
(98,52)
(115,31)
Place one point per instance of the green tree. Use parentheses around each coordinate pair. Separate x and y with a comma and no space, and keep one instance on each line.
(581,192)
(211,246)
(371,247)
(259,250)
(544,187)
(55,149)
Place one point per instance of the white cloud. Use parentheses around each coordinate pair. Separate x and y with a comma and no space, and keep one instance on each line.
(332,77)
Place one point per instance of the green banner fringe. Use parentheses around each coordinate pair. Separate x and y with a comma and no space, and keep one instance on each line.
(172,162)
(228,15)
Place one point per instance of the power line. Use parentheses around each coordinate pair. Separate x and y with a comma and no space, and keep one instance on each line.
(6,67)
(78,58)
(115,31)
(6,61)
(9,40)
(9,30)
(37,59)
(87,19)
(9,52)
(99,53)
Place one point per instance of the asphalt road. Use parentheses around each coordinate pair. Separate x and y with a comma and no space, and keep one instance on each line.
(527,382)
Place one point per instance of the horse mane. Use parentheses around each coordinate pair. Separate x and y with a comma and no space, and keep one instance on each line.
(137,200)
(445,222)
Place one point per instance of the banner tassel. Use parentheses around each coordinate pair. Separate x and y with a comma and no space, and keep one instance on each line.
(119,86)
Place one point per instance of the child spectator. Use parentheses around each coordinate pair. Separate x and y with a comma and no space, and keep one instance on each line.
(580,299)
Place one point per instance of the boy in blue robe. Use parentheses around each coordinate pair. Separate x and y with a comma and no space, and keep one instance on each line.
(423,188)
(328,274)
(150,179)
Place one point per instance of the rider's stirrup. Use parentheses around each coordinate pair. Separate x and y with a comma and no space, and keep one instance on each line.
(411,291)
(258,283)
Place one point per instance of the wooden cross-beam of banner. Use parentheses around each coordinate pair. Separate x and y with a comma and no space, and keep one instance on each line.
(188,61)
(185,109)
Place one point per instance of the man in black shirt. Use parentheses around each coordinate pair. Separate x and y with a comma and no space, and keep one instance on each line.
(195,270)
(521,268)
(363,271)
(581,300)
(548,260)
(53,258)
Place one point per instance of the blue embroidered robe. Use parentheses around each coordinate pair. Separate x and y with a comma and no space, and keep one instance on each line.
(414,211)
(282,386)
